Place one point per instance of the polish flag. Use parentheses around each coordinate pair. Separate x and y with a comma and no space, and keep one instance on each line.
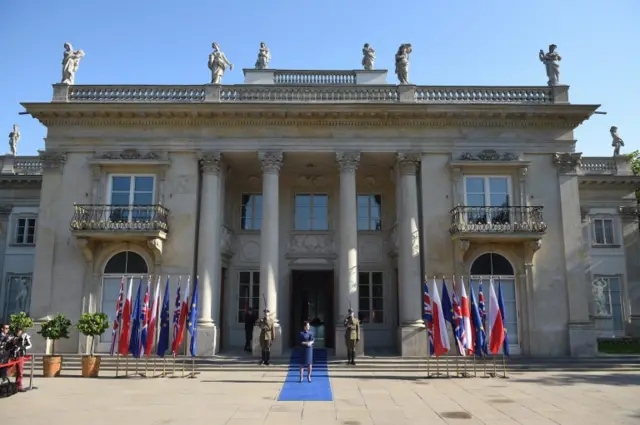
(440,335)
(465,307)
(184,310)
(123,344)
(152,321)
(496,337)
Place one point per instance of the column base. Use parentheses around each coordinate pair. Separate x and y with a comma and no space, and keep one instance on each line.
(582,339)
(341,343)
(412,341)
(208,343)
(276,346)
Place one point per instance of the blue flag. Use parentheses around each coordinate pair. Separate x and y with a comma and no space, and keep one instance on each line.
(134,342)
(191,320)
(480,336)
(505,345)
(163,339)
(447,308)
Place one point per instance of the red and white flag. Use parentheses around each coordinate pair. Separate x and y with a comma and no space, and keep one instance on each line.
(184,310)
(496,327)
(118,318)
(123,344)
(153,320)
(465,308)
(440,335)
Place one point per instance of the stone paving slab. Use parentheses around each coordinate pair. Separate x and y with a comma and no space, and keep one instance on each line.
(360,398)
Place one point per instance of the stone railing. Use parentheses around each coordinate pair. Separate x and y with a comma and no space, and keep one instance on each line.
(604,165)
(120,218)
(21,165)
(315,77)
(497,220)
(313,88)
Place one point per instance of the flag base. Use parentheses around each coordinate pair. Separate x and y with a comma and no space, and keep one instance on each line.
(208,341)
(412,341)
(341,343)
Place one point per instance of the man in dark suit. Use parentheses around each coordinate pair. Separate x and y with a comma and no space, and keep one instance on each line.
(249,322)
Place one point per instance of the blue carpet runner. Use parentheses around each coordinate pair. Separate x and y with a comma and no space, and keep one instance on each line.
(319,389)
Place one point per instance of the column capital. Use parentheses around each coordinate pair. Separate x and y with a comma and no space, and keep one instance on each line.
(567,162)
(210,162)
(271,161)
(408,162)
(348,161)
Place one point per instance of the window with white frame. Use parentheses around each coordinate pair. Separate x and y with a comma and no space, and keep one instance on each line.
(25,231)
(311,212)
(370,212)
(607,298)
(603,231)
(371,297)
(487,199)
(251,214)
(135,193)
(248,293)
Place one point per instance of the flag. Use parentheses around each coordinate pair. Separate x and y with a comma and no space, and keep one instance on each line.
(496,327)
(144,319)
(440,335)
(182,319)
(134,341)
(505,346)
(427,315)
(176,318)
(123,343)
(465,309)
(116,321)
(483,316)
(457,320)
(163,339)
(477,330)
(191,321)
(153,320)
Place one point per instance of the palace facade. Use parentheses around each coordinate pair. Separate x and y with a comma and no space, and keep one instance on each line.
(314,191)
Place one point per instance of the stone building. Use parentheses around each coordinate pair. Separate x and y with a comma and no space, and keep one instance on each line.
(319,190)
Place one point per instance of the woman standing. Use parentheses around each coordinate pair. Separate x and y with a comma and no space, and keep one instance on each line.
(306,340)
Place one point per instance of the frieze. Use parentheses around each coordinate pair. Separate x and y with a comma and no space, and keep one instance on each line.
(128,154)
(308,245)
(488,155)
(567,162)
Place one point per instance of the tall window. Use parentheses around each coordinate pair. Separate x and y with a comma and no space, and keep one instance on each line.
(370,212)
(487,199)
(371,297)
(25,233)
(251,218)
(312,212)
(608,300)
(248,293)
(603,231)
(131,191)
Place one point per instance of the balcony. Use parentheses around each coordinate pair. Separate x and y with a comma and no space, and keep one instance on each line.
(497,223)
(120,221)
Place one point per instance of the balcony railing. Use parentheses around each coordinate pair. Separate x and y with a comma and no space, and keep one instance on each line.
(497,220)
(118,218)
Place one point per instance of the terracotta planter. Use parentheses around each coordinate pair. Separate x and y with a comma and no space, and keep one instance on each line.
(90,366)
(51,366)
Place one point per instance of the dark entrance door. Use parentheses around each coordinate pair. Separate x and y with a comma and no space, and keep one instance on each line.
(312,300)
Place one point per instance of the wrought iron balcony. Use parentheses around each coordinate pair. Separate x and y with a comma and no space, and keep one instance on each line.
(120,218)
(497,220)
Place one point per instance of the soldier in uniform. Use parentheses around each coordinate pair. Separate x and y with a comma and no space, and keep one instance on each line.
(351,336)
(267,335)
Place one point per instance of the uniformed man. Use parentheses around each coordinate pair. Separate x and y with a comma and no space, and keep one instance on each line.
(267,335)
(351,336)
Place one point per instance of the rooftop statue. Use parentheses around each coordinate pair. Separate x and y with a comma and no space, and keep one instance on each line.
(402,63)
(70,63)
(14,138)
(368,57)
(264,56)
(617,141)
(551,61)
(218,63)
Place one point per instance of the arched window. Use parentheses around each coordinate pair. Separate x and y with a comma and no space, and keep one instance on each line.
(492,265)
(126,263)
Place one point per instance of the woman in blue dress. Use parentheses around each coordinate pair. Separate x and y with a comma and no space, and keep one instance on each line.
(306,341)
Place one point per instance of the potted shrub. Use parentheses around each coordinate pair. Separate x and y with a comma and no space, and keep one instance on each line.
(92,325)
(18,321)
(53,330)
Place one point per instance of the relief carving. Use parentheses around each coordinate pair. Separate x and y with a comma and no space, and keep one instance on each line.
(128,154)
(227,241)
(52,160)
(567,162)
(271,161)
(310,245)
(488,155)
(348,161)
(210,162)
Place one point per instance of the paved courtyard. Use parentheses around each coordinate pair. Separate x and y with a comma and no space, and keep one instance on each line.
(360,398)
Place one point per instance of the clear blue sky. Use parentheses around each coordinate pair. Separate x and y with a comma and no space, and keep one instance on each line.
(456,42)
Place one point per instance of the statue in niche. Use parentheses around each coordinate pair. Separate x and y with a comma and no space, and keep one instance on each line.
(218,63)
(599,288)
(402,63)
(617,141)
(264,56)
(368,57)
(551,61)
(70,63)
(14,138)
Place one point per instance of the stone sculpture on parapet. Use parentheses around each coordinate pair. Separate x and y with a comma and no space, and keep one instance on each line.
(70,64)
(402,63)
(218,63)
(14,138)
(368,57)
(264,56)
(617,141)
(551,61)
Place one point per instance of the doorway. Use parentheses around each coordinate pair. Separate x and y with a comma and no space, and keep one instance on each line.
(312,300)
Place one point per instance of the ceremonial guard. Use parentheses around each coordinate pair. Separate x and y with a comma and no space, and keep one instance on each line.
(267,335)
(351,336)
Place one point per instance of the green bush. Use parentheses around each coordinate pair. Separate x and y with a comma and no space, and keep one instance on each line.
(92,325)
(20,321)
(55,329)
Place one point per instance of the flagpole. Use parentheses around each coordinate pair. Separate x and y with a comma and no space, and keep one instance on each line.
(157,332)
(475,372)
(126,366)
(504,366)
(117,363)
(495,373)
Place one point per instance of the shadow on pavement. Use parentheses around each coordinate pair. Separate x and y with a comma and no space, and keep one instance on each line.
(616,379)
